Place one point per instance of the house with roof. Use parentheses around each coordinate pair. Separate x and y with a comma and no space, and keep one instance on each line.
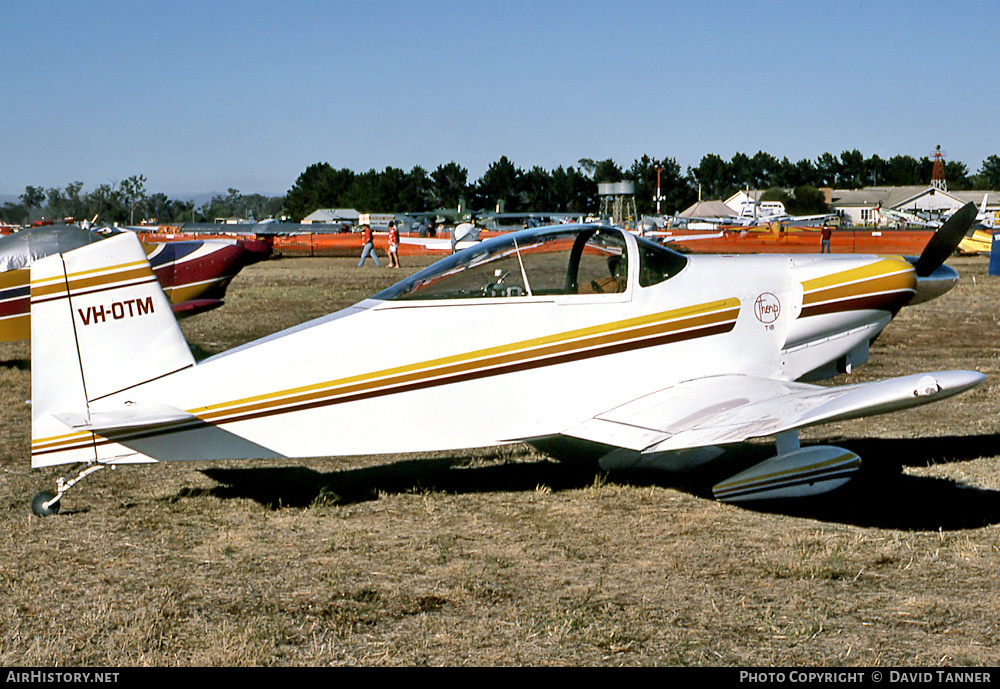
(332,216)
(874,206)
(708,209)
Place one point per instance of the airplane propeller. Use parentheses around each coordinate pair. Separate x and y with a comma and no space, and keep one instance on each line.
(945,240)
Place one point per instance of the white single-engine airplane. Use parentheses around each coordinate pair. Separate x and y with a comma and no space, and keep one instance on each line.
(558,336)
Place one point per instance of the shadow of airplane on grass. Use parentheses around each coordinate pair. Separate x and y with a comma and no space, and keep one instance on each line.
(883,496)
(880,496)
(301,486)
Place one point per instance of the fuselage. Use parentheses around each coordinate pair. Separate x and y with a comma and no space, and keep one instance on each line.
(514,342)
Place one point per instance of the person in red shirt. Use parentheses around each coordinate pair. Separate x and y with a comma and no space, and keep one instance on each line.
(368,246)
(393,244)
(824,239)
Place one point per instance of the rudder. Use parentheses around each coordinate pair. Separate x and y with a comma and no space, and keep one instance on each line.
(100,324)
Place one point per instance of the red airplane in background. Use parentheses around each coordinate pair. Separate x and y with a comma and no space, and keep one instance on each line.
(194,274)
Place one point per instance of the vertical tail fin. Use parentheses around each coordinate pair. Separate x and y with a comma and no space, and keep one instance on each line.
(100,324)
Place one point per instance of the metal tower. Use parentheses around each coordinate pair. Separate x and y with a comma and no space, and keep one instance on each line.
(937,172)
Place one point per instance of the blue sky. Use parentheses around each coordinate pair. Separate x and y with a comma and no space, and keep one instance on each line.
(202,96)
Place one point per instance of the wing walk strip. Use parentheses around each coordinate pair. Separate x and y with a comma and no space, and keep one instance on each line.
(636,333)
(881,285)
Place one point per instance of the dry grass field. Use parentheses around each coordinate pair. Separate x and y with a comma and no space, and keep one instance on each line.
(506,557)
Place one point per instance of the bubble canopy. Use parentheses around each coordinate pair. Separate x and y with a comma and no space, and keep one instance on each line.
(560,260)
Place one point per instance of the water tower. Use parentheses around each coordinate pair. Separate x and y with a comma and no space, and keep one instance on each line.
(618,202)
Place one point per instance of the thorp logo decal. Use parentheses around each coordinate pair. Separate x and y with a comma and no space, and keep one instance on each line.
(767,308)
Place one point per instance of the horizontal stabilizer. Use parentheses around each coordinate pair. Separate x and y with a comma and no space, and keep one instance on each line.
(132,415)
(730,409)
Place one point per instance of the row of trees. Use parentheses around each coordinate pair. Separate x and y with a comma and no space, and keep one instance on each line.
(572,189)
(575,189)
(503,186)
(394,190)
(120,200)
(127,202)
(851,170)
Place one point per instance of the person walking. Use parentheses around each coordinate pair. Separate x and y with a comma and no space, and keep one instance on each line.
(368,246)
(393,244)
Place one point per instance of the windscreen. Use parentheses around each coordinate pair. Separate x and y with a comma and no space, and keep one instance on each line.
(555,261)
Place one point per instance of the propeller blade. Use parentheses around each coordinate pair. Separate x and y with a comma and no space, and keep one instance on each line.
(945,240)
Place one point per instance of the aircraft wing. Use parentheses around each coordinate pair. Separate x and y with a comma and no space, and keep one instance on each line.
(667,236)
(807,219)
(908,218)
(721,220)
(733,408)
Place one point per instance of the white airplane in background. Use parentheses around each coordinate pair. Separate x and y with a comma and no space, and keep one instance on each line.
(752,214)
(463,237)
(907,218)
(561,336)
(767,212)
(978,239)
(983,218)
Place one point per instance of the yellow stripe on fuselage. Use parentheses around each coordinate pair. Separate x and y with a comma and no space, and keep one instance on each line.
(14,278)
(704,318)
(884,276)
(57,286)
(552,345)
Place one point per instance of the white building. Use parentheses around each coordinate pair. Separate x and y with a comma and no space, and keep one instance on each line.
(875,206)
(332,216)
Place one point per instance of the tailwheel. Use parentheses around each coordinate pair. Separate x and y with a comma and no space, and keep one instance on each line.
(44,504)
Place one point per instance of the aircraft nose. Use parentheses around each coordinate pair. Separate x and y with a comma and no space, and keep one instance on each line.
(845,284)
